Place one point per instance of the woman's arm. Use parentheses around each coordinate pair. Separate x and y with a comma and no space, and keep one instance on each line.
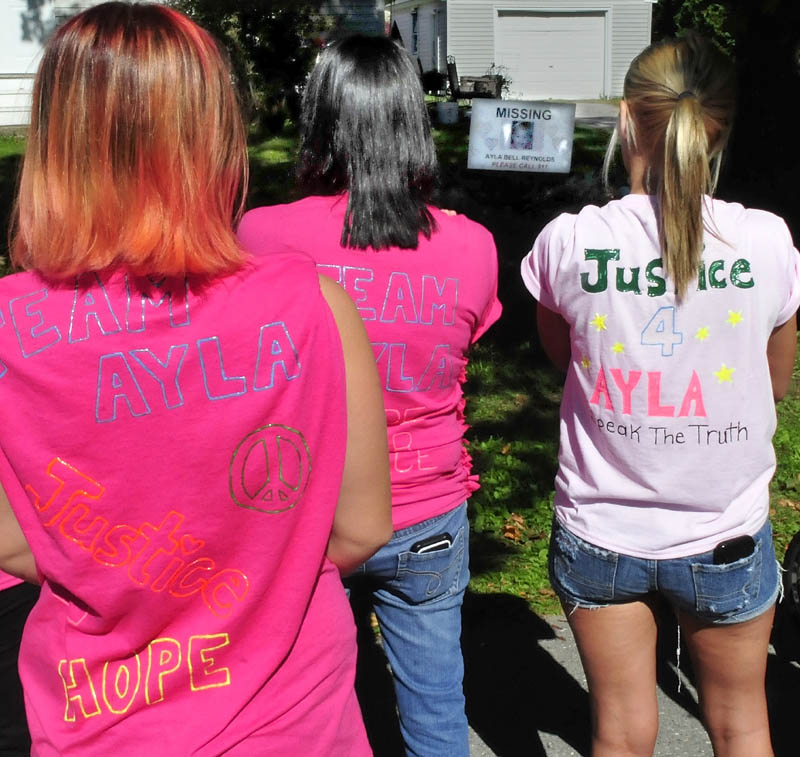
(781,349)
(363,520)
(16,557)
(554,336)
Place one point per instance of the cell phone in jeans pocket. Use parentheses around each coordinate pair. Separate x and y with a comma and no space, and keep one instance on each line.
(731,550)
(432,544)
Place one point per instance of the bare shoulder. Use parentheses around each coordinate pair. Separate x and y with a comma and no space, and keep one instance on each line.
(344,310)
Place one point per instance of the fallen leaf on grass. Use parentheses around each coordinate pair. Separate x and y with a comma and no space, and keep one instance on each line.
(506,449)
(514,528)
(789,503)
(512,532)
(545,592)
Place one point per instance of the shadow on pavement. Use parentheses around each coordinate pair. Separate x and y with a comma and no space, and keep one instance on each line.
(374,683)
(514,688)
(783,694)
(783,682)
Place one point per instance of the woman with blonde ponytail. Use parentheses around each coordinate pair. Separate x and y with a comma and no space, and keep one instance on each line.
(673,315)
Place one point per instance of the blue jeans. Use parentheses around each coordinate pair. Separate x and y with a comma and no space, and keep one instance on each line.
(417,600)
(584,575)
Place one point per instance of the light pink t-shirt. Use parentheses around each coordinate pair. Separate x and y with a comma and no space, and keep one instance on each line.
(667,415)
(422,310)
(174,454)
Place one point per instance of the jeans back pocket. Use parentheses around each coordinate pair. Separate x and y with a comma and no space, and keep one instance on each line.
(431,576)
(722,590)
(581,572)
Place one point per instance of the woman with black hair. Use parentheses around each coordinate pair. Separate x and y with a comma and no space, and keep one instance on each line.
(425,284)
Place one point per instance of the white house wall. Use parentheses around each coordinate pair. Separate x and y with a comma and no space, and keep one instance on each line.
(471,24)
(631,33)
(403,21)
(425,37)
(442,35)
(22,31)
(432,55)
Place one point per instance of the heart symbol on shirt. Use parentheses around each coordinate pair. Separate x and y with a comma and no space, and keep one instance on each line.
(491,142)
(190,545)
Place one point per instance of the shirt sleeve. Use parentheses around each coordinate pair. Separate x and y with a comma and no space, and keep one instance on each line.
(540,265)
(491,313)
(792,277)
(250,229)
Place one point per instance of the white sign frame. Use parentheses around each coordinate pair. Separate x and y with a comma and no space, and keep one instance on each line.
(521,135)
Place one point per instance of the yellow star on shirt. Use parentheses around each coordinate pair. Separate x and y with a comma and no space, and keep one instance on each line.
(734,317)
(702,334)
(585,362)
(599,322)
(725,374)
(618,347)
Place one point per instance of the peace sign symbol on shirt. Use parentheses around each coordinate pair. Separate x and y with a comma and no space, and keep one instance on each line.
(269,469)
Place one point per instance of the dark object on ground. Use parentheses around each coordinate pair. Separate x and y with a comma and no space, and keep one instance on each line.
(15,605)
(433,82)
(786,632)
(469,87)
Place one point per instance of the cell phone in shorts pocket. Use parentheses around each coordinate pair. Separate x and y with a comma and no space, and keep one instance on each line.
(432,543)
(731,550)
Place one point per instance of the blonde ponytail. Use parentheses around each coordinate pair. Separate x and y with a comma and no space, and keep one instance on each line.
(680,96)
(685,179)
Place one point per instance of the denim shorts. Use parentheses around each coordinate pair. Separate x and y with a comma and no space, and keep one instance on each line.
(584,575)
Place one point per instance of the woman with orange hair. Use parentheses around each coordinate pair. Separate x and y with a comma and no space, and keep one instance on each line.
(192,444)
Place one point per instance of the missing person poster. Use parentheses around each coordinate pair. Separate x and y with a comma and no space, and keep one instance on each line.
(513,135)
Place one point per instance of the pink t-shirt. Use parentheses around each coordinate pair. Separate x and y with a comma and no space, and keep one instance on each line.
(174,454)
(6,581)
(667,415)
(422,310)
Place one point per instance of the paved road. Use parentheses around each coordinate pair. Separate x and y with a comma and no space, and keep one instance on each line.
(680,733)
(526,693)
(600,115)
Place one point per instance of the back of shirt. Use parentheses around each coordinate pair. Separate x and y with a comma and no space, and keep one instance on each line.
(667,415)
(422,309)
(173,451)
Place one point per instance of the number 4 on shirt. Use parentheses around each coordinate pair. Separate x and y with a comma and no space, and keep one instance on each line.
(660,331)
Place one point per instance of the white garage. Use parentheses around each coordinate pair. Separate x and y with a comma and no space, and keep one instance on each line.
(553,54)
(565,49)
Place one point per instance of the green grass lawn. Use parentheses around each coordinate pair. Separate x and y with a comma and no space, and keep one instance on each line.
(11,145)
(513,394)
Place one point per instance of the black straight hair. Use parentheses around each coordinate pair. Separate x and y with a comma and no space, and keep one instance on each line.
(365,130)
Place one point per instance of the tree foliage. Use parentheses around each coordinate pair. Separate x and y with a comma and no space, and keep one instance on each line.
(764,38)
(272,45)
(709,17)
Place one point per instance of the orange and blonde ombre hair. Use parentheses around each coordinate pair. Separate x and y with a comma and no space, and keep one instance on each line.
(137,154)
